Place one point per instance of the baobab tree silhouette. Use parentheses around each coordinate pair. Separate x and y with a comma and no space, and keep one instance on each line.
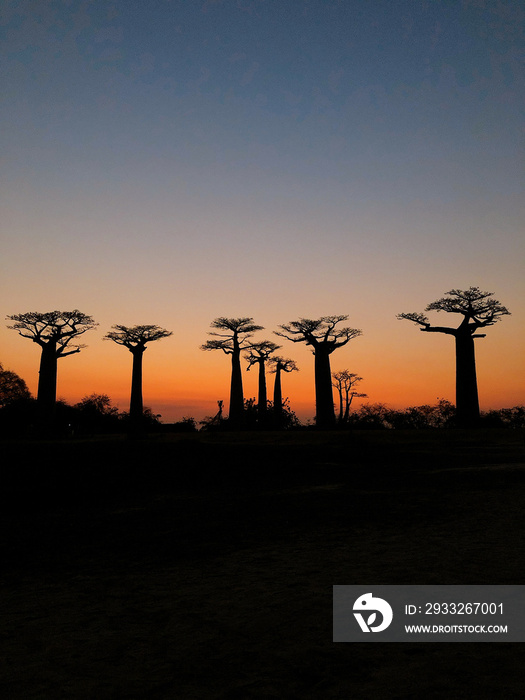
(54,332)
(323,336)
(238,332)
(478,311)
(280,364)
(259,354)
(135,339)
(344,381)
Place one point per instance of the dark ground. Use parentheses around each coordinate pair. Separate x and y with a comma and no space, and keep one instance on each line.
(202,566)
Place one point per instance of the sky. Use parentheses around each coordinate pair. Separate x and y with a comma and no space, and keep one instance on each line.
(173,161)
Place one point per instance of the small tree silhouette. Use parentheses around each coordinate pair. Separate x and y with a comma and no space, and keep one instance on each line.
(54,332)
(323,336)
(213,422)
(344,381)
(95,414)
(135,339)
(238,332)
(259,354)
(12,388)
(97,404)
(280,364)
(478,311)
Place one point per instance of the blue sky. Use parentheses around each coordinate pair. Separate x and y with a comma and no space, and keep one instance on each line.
(348,90)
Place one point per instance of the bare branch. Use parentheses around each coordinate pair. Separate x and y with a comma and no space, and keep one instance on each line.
(240,332)
(136,337)
(473,304)
(236,325)
(319,332)
(416,317)
(260,352)
(223,345)
(53,327)
(283,364)
(477,309)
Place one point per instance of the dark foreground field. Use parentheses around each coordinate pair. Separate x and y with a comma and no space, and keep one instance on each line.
(202,566)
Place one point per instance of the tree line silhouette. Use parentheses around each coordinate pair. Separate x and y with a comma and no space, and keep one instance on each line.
(56,333)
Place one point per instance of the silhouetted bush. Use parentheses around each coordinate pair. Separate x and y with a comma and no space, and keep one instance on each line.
(287,419)
(150,422)
(13,388)
(216,422)
(378,416)
(268,421)
(374,416)
(504,418)
(186,425)
(94,414)
(251,420)
(18,418)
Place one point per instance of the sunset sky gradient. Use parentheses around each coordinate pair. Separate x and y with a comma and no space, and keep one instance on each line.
(169,162)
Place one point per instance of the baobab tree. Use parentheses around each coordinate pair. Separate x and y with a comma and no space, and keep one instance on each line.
(280,364)
(344,381)
(135,339)
(54,332)
(259,354)
(478,311)
(323,336)
(235,337)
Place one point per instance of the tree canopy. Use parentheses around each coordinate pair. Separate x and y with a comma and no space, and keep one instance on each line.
(282,364)
(238,332)
(260,352)
(476,307)
(53,328)
(133,337)
(321,331)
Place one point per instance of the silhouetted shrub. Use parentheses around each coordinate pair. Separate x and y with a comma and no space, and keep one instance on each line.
(150,422)
(441,415)
(18,418)
(374,416)
(287,419)
(504,418)
(12,388)
(378,416)
(96,415)
(186,425)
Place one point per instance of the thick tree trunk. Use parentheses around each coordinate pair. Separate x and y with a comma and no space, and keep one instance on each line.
(348,401)
(136,406)
(262,402)
(47,385)
(236,391)
(324,399)
(467,402)
(340,416)
(278,398)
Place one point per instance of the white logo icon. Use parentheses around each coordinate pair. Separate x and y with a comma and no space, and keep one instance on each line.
(367,603)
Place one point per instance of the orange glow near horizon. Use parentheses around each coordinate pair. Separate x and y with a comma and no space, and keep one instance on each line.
(177,382)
